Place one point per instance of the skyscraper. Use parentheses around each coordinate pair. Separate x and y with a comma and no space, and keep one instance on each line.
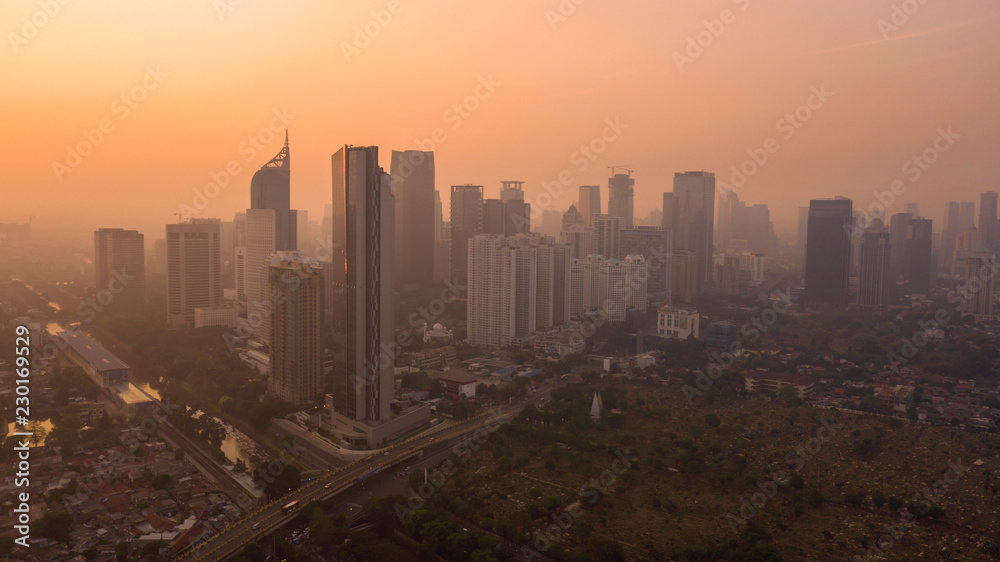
(607,235)
(803,230)
(362,199)
(918,265)
(828,252)
(980,282)
(466,222)
(873,270)
(271,226)
(194,269)
(694,202)
(120,266)
(438,216)
(988,231)
(590,203)
(654,244)
(493,216)
(898,225)
(621,197)
(296,346)
(413,187)
(270,188)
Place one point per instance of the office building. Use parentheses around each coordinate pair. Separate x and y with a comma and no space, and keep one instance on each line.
(576,290)
(655,245)
(898,226)
(296,348)
(416,212)
(980,283)
(989,233)
(828,252)
(119,267)
(590,203)
(271,225)
(873,269)
(607,235)
(918,264)
(194,269)
(364,220)
(693,202)
(684,286)
(466,222)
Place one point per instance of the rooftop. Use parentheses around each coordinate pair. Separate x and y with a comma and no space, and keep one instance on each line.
(94,353)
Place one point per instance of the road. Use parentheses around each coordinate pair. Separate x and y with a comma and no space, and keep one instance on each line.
(266,519)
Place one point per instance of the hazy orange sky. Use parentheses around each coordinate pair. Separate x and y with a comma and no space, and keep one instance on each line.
(559,81)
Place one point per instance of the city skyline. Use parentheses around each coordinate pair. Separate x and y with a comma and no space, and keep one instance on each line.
(862,120)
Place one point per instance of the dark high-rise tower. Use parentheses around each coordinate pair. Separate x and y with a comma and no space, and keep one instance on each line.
(898,225)
(120,265)
(694,219)
(466,222)
(828,252)
(364,221)
(988,231)
(917,264)
(873,269)
(590,203)
(621,197)
(413,187)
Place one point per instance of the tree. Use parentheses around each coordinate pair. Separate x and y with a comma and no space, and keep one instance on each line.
(121,551)
(276,485)
(163,481)
(56,525)
(437,389)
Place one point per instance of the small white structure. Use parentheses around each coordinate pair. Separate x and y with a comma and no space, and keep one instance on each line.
(596,407)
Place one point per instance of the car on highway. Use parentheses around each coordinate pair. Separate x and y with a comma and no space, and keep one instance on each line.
(328,486)
(256,526)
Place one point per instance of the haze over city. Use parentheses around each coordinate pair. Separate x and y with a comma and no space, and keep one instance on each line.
(567,280)
(228,65)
